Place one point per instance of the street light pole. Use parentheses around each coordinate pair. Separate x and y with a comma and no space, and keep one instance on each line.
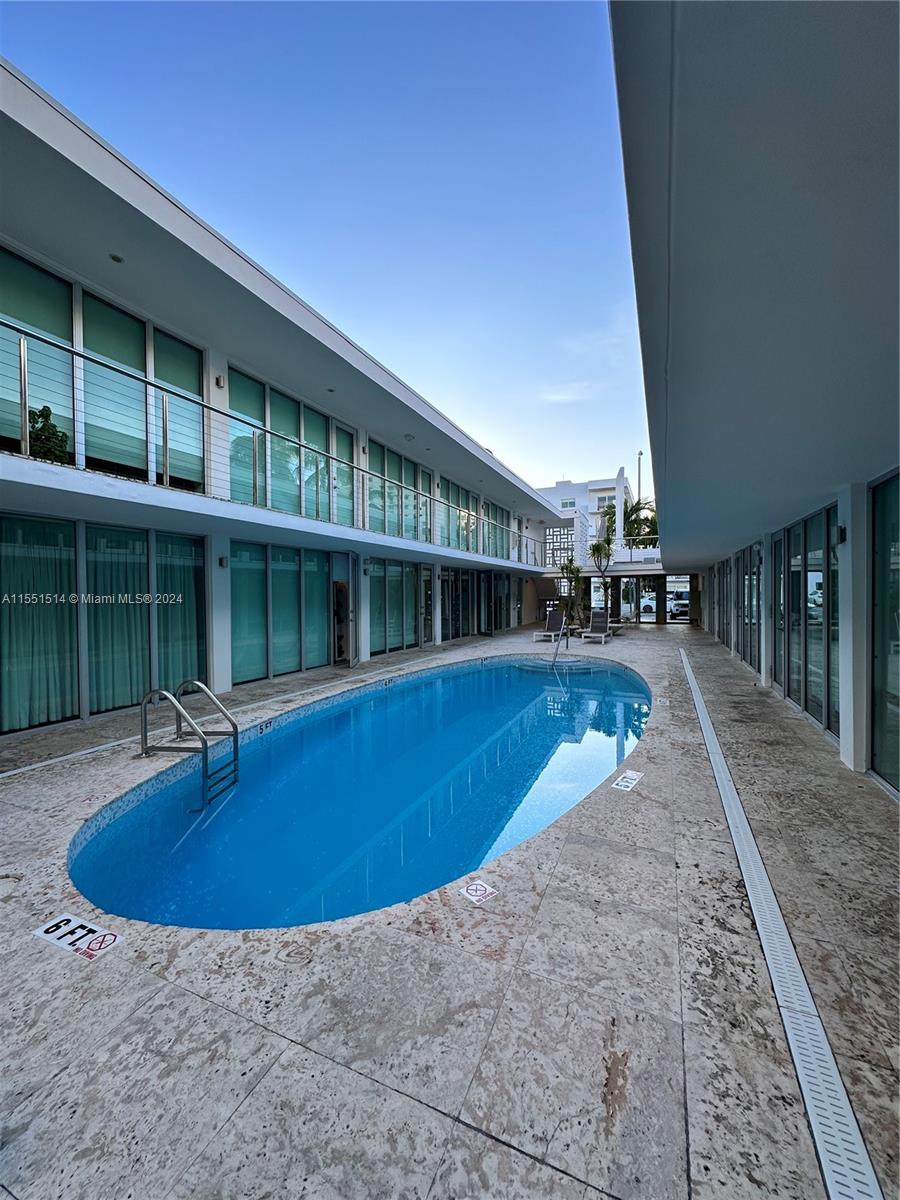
(640,456)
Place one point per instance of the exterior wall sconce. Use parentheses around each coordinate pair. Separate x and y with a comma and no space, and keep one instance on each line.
(223,561)
(220,381)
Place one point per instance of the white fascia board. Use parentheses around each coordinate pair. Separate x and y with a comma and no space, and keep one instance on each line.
(35,488)
(30,106)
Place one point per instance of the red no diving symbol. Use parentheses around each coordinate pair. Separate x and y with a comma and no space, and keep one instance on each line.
(101,942)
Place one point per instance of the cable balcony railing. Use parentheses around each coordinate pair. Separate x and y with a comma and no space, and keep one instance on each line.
(67,406)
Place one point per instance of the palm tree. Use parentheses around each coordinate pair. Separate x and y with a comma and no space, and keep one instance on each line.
(571,572)
(639,519)
(601,552)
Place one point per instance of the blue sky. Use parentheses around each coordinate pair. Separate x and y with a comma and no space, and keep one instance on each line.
(443,181)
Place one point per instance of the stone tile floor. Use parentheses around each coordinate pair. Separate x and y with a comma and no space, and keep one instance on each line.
(604,1026)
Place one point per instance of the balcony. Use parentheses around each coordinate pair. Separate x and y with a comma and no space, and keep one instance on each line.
(78,410)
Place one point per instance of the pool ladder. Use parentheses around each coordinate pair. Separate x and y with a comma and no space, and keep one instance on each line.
(224,776)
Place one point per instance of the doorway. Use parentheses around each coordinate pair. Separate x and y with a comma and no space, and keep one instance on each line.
(344,583)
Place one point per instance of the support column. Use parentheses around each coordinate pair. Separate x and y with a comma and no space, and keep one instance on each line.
(854,598)
(660,593)
(620,508)
(363,631)
(436,603)
(218,604)
(615,600)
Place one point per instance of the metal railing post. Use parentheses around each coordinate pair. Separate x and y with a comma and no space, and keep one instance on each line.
(255,466)
(25,431)
(165,439)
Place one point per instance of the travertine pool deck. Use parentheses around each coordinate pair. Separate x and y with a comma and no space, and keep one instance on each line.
(603,1026)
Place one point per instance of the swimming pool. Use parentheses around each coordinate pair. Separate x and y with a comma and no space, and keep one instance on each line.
(358,802)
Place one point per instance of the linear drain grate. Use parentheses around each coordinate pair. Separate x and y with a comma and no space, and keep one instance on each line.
(846,1166)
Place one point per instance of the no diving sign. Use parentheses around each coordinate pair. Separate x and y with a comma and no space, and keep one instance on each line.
(477,891)
(69,933)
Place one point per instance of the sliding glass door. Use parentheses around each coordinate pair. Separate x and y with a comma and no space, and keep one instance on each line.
(249,622)
(795,613)
(778,610)
(814,599)
(181,620)
(886,630)
(39,676)
(286,623)
(118,622)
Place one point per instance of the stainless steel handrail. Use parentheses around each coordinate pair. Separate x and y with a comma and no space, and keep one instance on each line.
(232,731)
(180,712)
(564,629)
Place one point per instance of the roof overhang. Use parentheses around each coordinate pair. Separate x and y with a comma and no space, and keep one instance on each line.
(760,146)
(70,199)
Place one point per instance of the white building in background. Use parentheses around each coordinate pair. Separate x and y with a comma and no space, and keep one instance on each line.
(175,423)
(580,508)
(590,497)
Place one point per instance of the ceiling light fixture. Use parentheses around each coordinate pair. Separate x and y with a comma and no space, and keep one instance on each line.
(117,258)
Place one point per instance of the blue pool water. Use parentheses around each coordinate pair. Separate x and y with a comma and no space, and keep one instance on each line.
(362,803)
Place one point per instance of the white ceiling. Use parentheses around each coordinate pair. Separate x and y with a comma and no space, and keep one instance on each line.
(760,144)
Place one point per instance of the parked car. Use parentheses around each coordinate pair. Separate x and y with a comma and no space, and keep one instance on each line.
(681,603)
(648,605)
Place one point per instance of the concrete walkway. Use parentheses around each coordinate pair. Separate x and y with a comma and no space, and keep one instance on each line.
(604,1025)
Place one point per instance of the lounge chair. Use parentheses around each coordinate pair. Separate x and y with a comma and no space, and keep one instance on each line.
(599,629)
(553,629)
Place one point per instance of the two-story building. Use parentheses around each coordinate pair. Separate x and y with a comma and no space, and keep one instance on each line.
(200,477)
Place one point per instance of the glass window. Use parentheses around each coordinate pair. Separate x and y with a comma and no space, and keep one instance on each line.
(778,610)
(834,658)
(886,630)
(115,407)
(465,604)
(316,608)
(343,476)
(39,678)
(425,485)
(427,606)
(746,601)
(180,366)
(285,610)
(284,418)
(181,624)
(33,297)
(392,493)
(815,625)
(395,605)
(118,627)
(443,514)
(376,487)
(249,640)
(377,607)
(410,604)
(795,612)
(39,301)
(316,488)
(247,397)
(445,605)
(409,499)
(177,364)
